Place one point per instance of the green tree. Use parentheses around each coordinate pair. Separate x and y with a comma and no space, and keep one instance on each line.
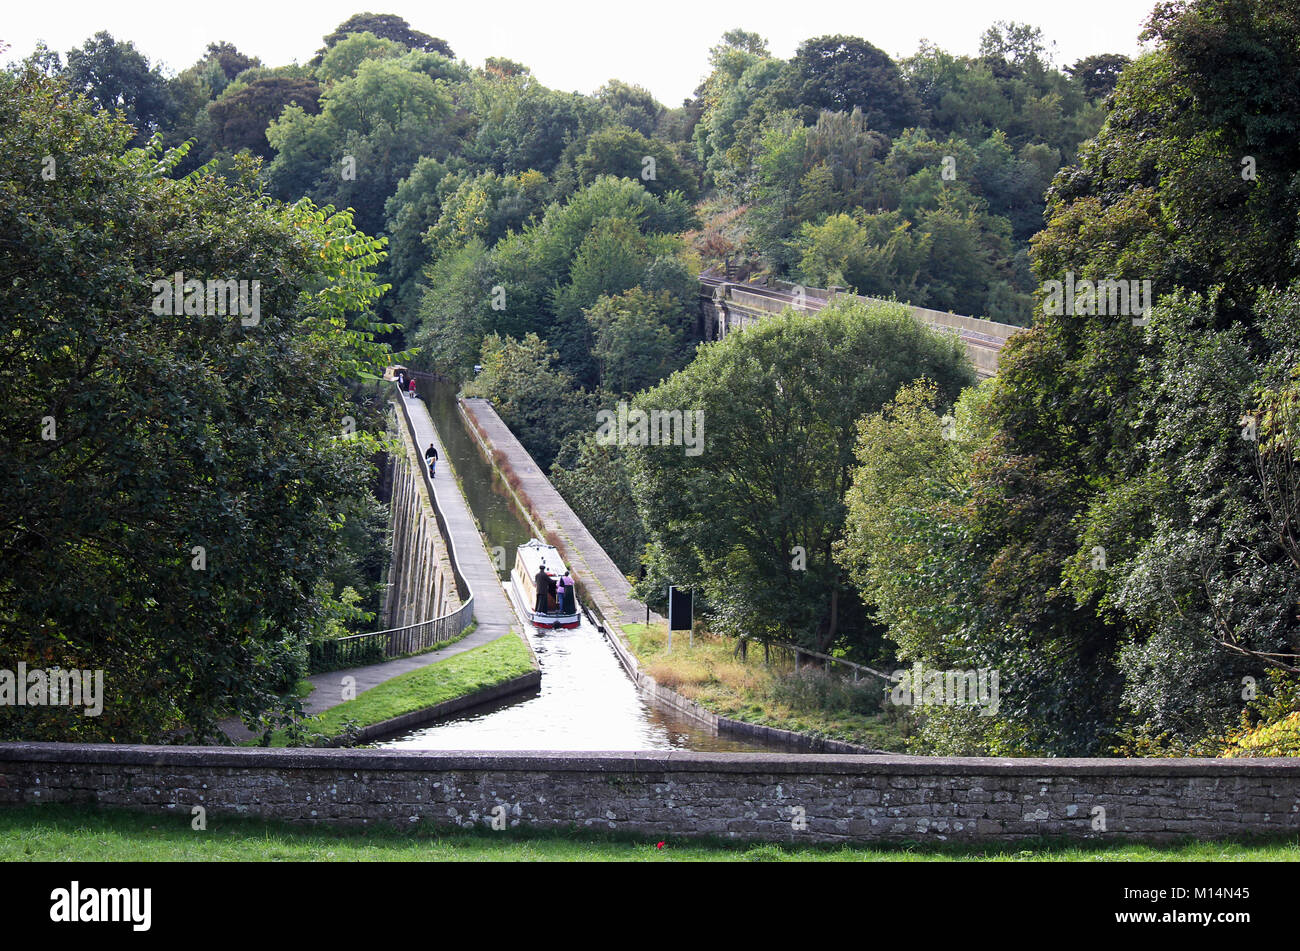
(637,339)
(534,397)
(840,73)
(749,520)
(171,479)
(116,76)
(387,26)
(345,56)
(241,115)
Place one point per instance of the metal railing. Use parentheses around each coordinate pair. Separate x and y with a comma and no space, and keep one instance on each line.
(358,650)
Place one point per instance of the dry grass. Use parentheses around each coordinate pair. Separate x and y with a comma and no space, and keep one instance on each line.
(710,673)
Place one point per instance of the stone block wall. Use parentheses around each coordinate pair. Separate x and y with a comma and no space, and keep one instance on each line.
(751,796)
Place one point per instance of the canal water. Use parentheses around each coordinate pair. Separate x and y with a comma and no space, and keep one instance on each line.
(586,700)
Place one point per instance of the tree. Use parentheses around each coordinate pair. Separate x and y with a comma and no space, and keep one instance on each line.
(749,519)
(632,106)
(838,73)
(1099,73)
(116,76)
(1115,524)
(172,475)
(387,26)
(534,397)
(343,58)
(241,115)
(1018,43)
(595,481)
(625,153)
(637,339)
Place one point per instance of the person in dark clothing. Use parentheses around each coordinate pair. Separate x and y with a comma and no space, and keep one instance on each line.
(543,584)
(431,457)
(569,601)
(401,381)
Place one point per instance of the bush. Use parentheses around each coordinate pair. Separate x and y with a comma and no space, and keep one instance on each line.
(812,689)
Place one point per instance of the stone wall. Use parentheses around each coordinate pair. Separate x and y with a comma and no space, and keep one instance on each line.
(421,584)
(753,796)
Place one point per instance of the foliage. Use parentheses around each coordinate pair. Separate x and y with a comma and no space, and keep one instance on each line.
(536,400)
(780,402)
(172,484)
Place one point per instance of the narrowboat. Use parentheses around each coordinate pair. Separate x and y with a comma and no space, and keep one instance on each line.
(536,561)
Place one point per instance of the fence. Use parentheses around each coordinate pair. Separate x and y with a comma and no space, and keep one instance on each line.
(358,650)
(857,671)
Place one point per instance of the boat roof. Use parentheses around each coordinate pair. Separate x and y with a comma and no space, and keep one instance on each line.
(537,554)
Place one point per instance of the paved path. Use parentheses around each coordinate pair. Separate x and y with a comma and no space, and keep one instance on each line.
(603,581)
(492,610)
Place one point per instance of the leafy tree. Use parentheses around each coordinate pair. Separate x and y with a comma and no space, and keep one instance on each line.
(623,153)
(839,73)
(171,481)
(632,106)
(1099,73)
(750,520)
(1018,43)
(637,338)
(343,58)
(536,399)
(526,126)
(116,76)
(387,26)
(595,481)
(241,115)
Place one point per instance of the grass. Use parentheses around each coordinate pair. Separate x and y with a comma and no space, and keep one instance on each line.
(493,663)
(753,691)
(61,833)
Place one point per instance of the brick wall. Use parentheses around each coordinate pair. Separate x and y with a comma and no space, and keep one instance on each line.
(743,795)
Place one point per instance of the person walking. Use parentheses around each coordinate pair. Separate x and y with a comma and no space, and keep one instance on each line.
(401,380)
(431,457)
(410,385)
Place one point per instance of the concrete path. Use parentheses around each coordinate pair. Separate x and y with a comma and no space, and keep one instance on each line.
(492,610)
(603,580)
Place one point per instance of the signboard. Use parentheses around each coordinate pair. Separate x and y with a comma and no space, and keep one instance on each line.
(681,609)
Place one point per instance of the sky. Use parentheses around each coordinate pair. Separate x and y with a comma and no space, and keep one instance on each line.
(662,45)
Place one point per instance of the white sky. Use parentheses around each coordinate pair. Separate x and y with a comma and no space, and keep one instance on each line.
(659,44)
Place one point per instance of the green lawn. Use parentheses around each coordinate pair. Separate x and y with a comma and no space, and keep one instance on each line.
(493,663)
(67,833)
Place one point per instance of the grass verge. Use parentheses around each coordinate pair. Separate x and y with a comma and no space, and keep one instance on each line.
(757,692)
(60,833)
(493,663)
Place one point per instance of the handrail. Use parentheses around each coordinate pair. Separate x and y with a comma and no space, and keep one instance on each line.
(797,650)
(360,649)
(462,585)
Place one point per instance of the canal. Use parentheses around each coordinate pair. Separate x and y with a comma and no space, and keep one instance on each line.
(586,700)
